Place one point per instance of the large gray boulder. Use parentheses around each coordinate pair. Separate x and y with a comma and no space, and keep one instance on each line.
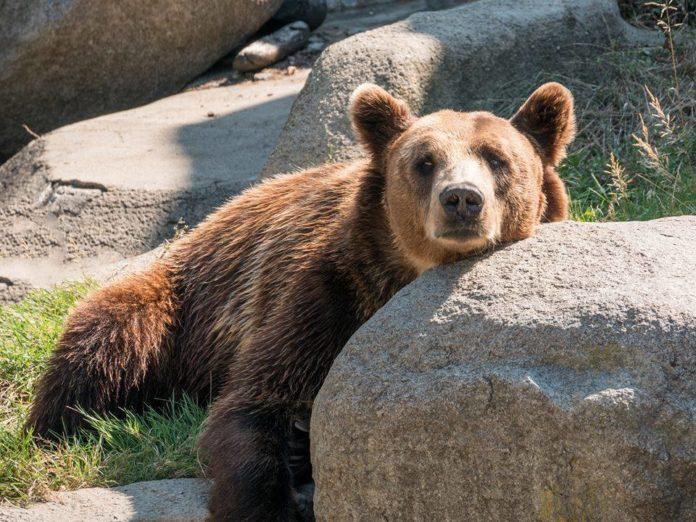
(456,59)
(99,191)
(552,379)
(65,61)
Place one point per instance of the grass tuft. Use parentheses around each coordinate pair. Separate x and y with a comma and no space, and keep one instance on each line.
(158,444)
(29,331)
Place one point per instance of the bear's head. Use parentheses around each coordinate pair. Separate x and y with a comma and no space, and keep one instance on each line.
(457,183)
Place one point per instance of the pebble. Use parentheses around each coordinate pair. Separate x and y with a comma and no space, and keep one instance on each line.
(262,75)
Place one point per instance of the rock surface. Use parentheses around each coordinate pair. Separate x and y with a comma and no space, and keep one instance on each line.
(455,59)
(445,4)
(272,48)
(96,192)
(65,61)
(552,379)
(342,5)
(177,500)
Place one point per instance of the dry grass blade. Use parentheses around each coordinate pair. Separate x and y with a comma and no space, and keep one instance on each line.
(619,184)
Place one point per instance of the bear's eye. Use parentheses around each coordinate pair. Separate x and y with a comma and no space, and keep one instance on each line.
(426,165)
(495,162)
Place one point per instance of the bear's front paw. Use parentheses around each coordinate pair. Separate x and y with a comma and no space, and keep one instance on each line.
(304,497)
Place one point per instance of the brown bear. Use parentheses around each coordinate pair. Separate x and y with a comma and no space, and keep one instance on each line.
(251,307)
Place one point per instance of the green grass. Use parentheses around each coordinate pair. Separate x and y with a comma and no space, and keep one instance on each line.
(154,445)
(635,154)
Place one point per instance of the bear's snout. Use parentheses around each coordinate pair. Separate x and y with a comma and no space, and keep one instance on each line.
(462,202)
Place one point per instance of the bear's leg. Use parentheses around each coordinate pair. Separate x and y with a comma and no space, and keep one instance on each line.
(248,454)
(301,464)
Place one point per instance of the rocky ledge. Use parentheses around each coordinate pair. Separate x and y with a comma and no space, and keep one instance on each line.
(177,500)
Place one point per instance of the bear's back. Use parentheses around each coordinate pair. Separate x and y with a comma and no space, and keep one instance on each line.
(239,264)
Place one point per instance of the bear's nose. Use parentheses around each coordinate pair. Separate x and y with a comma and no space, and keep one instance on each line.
(464,201)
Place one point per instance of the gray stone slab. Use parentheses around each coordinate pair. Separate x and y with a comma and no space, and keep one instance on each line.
(176,500)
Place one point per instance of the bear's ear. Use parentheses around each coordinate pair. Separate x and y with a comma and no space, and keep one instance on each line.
(377,117)
(548,118)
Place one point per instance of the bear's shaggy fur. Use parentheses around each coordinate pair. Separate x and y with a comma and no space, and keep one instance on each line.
(250,309)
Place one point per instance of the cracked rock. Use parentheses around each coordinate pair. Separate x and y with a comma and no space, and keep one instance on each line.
(551,379)
(70,200)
